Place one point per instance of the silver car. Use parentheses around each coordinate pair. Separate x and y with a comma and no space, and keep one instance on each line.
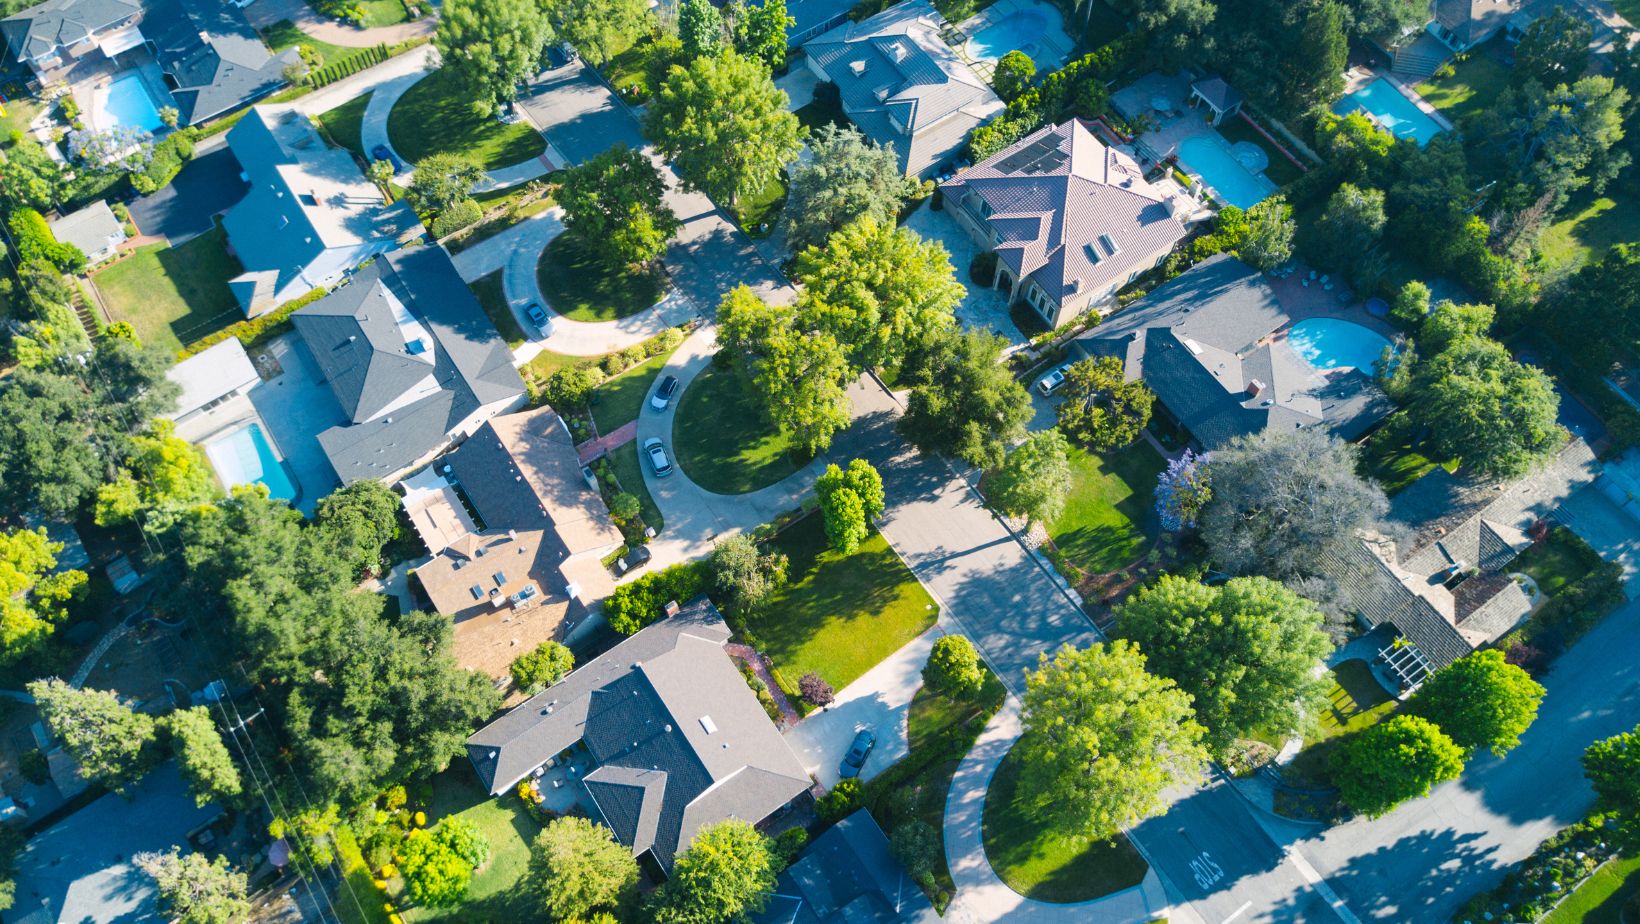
(656,451)
(1048,383)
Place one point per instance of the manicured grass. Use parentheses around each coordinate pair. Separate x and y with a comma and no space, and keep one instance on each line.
(1560,559)
(754,212)
(173,295)
(1355,701)
(1474,85)
(620,400)
(625,462)
(436,116)
(20,113)
(721,438)
(1108,517)
(1600,900)
(1043,866)
(629,70)
(1590,226)
(344,124)
(1390,458)
(494,895)
(382,12)
(840,614)
(582,287)
(547,362)
(284,34)
(492,297)
(1281,171)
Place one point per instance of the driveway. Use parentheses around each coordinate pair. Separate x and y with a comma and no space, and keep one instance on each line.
(579,115)
(208,186)
(297,406)
(983,307)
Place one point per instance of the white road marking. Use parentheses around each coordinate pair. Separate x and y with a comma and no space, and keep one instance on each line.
(1238,912)
(1320,885)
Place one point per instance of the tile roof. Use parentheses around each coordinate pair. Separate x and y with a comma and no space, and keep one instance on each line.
(217,60)
(41,29)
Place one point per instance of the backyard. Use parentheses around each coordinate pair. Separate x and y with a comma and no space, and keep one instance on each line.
(494,895)
(582,287)
(1600,900)
(1590,225)
(721,438)
(173,295)
(1473,85)
(1393,456)
(1281,171)
(1108,516)
(840,614)
(1560,559)
(436,117)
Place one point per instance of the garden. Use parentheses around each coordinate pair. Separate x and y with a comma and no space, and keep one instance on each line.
(436,116)
(173,295)
(620,400)
(722,440)
(581,285)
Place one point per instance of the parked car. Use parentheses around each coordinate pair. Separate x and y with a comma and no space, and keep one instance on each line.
(561,54)
(635,557)
(538,317)
(855,760)
(663,394)
(658,461)
(1048,383)
(383,152)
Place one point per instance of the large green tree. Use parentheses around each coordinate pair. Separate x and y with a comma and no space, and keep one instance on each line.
(1312,74)
(577,868)
(196,890)
(964,402)
(1103,739)
(162,475)
(744,576)
(846,177)
(1398,759)
(1480,701)
(758,30)
(1554,50)
(542,666)
(438,863)
(357,522)
(202,756)
(700,28)
(1101,408)
(1035,479)
(491,46)
(725,125)
(615,204)
(442,180)
(727,874)
(1268,240)
(798,377)
(1345,238)
(1613,766)
(599,29)
(850,499)
(112,743)
(33,594)
(953,667)
(1178,28)
(1482,406)
(1246,650)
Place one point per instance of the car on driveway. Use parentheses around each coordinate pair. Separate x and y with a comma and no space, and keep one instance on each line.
(383,152)
(1050,382)
(636,557)
(663,394)
(538,317)
(855,760)
(656,453)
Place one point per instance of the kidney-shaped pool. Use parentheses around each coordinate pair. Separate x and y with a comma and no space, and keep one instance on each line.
(1328,343)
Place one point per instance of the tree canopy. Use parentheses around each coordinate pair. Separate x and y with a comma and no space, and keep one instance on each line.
(1480,701)
(112,743)
(799,378)
(849,500)
(1554,50)
(491,46)
(578,868)
(743,575)
(1398,759)
(358,522)
(33,596)
(964,402)
(953,667)
(162,475)
(700,27)
(1035,478)
(758,30)
(615,205)
(1613,767)
(1481,405)
(437,863)
(542,666)
(599,29)
(203,757)
(442,180)
(727,873)
(848,177)
(1101,408)
(196,890)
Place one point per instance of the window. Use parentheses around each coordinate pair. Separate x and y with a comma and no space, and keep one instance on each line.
(1110,244)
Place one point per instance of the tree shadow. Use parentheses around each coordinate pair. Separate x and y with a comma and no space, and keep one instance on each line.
(1420,877)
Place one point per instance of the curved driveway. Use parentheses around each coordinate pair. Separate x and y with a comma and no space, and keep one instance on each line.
(373,132)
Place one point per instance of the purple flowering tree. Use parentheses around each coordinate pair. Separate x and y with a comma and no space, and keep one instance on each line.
(1182,490)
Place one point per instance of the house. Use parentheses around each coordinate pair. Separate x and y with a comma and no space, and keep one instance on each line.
(52,36)
(1071,219)
(93,229)
(412,360)
(310,216)
(210,378)
(1462,24)
(1446,588)
(671,738)
(903,86)
(1207,344)
(847,875)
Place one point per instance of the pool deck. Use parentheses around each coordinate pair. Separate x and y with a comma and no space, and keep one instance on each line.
(1357,78)
(1055,43)
(1302,303)
(1173,126)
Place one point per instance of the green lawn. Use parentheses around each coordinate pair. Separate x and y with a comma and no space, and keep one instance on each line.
(1043,866)
(494,895)
(1560,559)
(721,438)
(625,462)
(344,123)
(754,212)
(1281,171)
(492,297)
(382,12)
(620,400)
(1589,227)
(1473,86)
(582,287)
(1389,457)
(173,295)
(284,34)
(840,614)
(1600,899)
(1628,9)
(436,117)
(1355,701)
(1108,517)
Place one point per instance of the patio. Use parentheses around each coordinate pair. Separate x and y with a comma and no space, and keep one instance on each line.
(1174,114)
(558,786)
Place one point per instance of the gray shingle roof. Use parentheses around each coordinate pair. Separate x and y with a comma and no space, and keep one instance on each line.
(849,876)
(1217,93)
(643,709)
(217,60)
(1473,20)
(40,29)
(90,228)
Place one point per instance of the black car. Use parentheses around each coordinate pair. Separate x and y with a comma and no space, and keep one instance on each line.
(383,152)
(855,760)
(663,394)
(635,557)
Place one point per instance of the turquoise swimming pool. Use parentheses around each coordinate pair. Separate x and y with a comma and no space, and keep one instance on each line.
(1210,157)
(1328,343)
(1021,31)
(245,456)
(1395,113)
(128,104)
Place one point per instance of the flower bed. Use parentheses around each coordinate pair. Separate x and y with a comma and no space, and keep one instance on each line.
(1531,890)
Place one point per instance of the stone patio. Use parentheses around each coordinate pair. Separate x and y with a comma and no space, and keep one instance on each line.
(982,307)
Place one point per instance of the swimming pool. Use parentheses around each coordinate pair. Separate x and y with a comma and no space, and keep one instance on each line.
(1328,343)
(1392,111)
(1209,156)
(245,456)
(127,103)
(1021,31)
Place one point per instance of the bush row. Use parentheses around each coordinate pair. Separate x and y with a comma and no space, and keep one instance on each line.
(169,157)
(1530,890)
(257,330)
(1568,615)
(348,66)
(34,241)
(1077,89)
(632,606)
(570,390)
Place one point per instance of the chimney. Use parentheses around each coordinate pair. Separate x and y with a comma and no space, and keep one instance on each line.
(1255,388)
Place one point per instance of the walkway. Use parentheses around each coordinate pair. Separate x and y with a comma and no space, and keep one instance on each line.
(759,664)
(593,448)
(268,12)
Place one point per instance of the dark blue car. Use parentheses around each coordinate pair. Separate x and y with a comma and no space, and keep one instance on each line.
(855,760)
(383,152)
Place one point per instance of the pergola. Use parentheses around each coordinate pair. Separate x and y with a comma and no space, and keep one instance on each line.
(1219,96)
(1408,663)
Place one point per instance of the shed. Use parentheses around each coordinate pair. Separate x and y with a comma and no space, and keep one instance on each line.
(93,229)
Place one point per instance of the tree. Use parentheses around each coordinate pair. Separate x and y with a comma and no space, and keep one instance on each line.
(759,30)
(1268,240)
(195,890)
(111,743)
(1285,502)
(490,46)
(1014,73)
(1613,767)
(700,26)
(1182,490)
(964,402)
(815,690)
(953,667)
(542,666)
(1498,415)
(849,500)
(918,847)
(357,523)
(1480,701)
(877,288)
(381,173)
(1312,72)
(1450,323)
(1387,18)
(615,205)
(840,801)
(33,594)
(1103,739)
(1177,27)
(799,378)
(442,180)
(624,508)
(1411,305)
(728,872)
(724,124)
(847,177)
(1555,139)
(578,868)
(743,576)
(600,29)
(1397,759)
(1554,50)
(438,863)
(1246,651)
(1599,308)
(1101,408)
(203,757)
(31,179)
(1346,236)
(1035,478)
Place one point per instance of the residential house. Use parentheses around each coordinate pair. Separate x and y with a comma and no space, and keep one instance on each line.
(52,36)
(1071,219)
(1446,587)
(411,358)
(93,229)
(1462,24)
(663,734)
(848,875)
(310,216)
(903,86)
(1209,344)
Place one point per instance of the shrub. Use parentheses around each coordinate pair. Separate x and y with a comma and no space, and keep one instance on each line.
(953,667)
(256,330)
(788,845)
(570,389)
(632,606)
(815,690)
(168,158)
(34,241)
(460,214)
(843,799)
(536,670)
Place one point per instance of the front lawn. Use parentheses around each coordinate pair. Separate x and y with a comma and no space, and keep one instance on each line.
(1108,516)
(492,297)
(620,400)
(284,34)
(624,460)
(1600,899)
(436,117)
(754,212)
(1043,866)
(173,295)
(1474,85)
(508,827)
(721,438)
(582,287)
(1589,226)
(1560,559)
(344,124)
(1355,701)
(840,614)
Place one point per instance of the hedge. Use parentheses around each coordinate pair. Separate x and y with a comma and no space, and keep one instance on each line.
(35,241)
(348,66)
(1078,86)
(257,330)
(461,213)
(170,156)
(632,606)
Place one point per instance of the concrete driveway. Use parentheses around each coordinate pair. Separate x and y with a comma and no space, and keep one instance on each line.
(982,308)
(579,115)
(208,186)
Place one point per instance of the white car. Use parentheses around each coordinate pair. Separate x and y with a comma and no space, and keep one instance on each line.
(656,452)
(1052,380)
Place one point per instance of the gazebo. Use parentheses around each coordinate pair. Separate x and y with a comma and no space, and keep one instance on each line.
(1218,96)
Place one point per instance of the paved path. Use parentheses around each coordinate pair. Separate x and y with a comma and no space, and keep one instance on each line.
(268,12)
(328,97)
(592,449)
(759,663)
